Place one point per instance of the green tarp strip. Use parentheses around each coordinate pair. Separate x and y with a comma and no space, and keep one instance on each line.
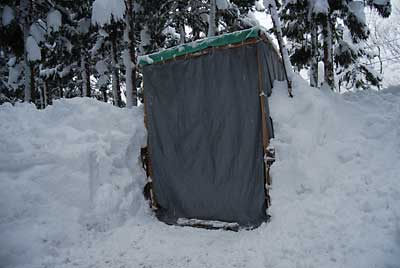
(217,41)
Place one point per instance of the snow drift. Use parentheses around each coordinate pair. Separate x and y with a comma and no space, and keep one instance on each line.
(64,171)
(70,189)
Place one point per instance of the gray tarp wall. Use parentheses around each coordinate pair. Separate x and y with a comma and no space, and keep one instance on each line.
(205,140)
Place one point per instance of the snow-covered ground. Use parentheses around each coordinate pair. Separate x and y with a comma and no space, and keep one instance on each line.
(70,189)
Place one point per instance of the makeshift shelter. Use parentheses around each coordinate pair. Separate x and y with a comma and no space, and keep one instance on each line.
(209,126)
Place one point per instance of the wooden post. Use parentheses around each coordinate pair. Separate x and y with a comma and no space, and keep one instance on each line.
(285,57)
(264,128)
(149,169)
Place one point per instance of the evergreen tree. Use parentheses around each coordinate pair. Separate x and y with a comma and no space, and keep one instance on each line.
(11,54)
(306,20)
(110,34)
(296,26)
(351,56)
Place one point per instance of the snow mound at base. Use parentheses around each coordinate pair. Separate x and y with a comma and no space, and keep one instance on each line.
(70,189)
(336,187)
(64,171)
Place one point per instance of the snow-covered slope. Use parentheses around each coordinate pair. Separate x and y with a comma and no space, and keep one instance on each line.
(70,189)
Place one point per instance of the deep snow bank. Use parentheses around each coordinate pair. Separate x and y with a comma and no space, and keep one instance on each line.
(65,171)
(69,199)
(336,186)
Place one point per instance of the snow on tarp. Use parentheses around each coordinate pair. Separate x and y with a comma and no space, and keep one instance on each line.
(201,44)
(106,10)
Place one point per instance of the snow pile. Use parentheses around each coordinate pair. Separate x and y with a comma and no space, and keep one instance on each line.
(65,172)
(336,188)
(70,189)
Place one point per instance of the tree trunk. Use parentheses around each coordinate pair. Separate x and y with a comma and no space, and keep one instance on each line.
(104,91)
(27,82)
(379,52)
(115,74)
(314,56)
(182,33)
(329,74)
(45,93)
(86,90)
(278,32)
(61,91)
(212,18)
(130,56)
(49,100)
(88,87)
(41,97)
(32,83)
(26,13)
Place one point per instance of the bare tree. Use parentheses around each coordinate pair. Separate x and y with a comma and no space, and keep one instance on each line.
(385,38)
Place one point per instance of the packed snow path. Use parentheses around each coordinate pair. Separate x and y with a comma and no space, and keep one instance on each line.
(70,189)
